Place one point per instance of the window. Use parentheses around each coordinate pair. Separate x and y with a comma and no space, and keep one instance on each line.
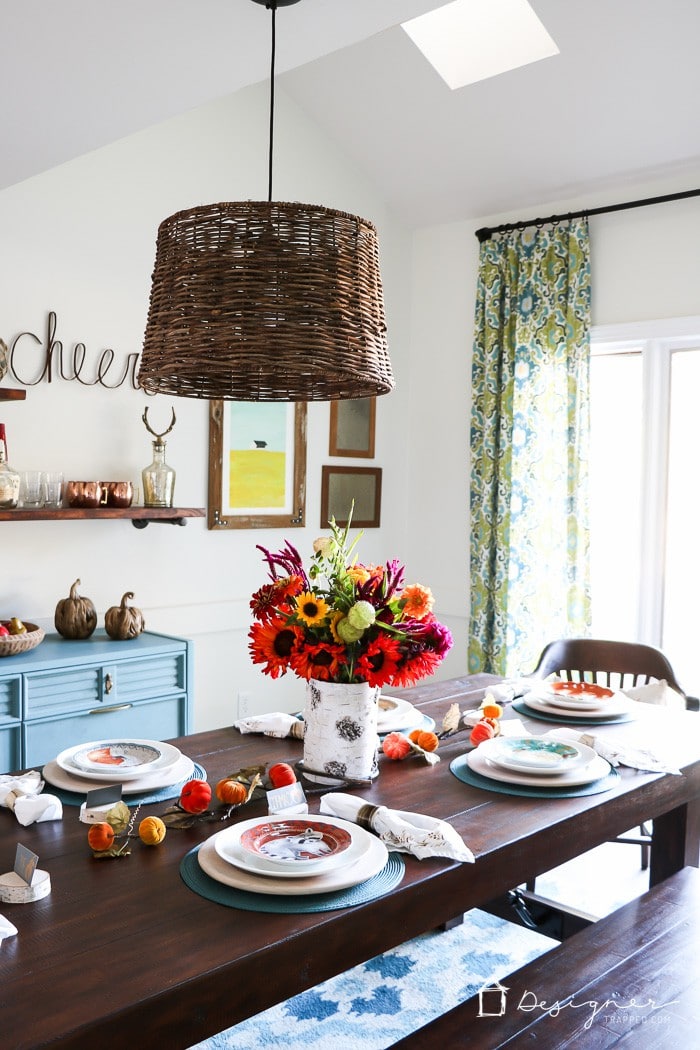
(645,455)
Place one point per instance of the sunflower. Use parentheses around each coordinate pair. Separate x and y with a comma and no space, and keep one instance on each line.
(273,643)
(311,609)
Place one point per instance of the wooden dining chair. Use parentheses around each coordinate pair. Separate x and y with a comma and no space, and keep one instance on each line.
(617,665)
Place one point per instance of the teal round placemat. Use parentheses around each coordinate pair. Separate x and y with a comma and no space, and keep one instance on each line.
(198,880)
(74,798)
(467,775)
(522,708)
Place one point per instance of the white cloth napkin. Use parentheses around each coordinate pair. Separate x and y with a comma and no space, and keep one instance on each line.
(23,795)
(6,928)
(617,752)
(510,689)
(414,833)
(276,723)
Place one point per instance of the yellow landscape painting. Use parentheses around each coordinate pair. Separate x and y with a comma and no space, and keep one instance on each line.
(257,478)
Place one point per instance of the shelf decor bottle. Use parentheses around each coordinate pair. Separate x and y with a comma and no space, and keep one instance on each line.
(9,478)
(158,478)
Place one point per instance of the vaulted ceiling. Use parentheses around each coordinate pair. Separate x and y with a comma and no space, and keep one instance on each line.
(617,106)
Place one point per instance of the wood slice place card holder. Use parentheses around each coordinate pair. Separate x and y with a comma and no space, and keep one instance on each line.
(26,883)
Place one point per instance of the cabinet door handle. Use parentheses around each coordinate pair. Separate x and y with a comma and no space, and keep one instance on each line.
(107,710)
(108,683)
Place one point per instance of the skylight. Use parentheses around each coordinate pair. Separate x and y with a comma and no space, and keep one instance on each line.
(470,40)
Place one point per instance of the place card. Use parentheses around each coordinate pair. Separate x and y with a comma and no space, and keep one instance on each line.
(25,863)
(287,799)
(99,802)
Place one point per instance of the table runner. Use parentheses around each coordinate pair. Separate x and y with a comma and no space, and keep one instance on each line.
(467,775)
(198,880)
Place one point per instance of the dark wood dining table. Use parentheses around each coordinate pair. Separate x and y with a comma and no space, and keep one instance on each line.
(122,953)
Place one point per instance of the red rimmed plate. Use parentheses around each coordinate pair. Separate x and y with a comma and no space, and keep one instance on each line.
(578,695)
(295,843)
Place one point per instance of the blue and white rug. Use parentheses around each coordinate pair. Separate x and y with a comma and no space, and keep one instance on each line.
(373,1005)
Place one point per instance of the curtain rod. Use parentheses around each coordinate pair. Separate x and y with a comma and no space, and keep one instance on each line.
(485,232)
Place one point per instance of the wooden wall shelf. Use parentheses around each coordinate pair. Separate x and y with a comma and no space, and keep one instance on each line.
(12,395)
(139,516)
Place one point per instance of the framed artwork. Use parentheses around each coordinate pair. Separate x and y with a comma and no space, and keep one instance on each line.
(341,485)
(352,428)
(257,465)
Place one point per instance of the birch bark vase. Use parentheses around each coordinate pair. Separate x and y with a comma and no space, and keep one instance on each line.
(340,735)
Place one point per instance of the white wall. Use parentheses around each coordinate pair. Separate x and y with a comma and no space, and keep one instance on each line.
(645,264)
(80,240)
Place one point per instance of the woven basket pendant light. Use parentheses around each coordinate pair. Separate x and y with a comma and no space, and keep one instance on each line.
(266,301)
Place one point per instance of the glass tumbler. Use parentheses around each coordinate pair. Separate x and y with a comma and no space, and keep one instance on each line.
(53,488)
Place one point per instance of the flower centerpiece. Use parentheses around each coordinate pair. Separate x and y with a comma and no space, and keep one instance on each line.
(347,629)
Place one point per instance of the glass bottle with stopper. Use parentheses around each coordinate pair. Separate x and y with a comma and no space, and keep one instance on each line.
(158,478)
(9,478)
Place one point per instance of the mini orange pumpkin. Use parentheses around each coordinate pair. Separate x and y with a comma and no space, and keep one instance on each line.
(492,710)
(425,739)
(396,746)
(151,831)
(101,836)
(482,731)
(231,792)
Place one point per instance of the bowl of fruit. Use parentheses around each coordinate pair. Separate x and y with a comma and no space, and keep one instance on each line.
(18,636)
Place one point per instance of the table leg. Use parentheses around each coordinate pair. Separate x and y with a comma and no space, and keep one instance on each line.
(675,841)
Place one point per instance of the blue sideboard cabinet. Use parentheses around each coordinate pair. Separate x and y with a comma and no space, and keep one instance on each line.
(68,692)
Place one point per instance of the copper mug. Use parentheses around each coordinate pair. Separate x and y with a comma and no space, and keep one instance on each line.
(83,494)
(117,493)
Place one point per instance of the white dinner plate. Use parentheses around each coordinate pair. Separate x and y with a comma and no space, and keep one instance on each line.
(81,783)
(615,709)
(169,755)
(537,755)
(595,770)
(365,867)
(228,847)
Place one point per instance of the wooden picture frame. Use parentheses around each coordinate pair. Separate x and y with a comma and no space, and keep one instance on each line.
(341,485)
(352,428)
(263,445)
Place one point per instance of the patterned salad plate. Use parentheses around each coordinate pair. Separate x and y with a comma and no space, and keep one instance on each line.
(114,755)
(294,844)
(228,846)
(578,695)
(537,755)
(99,760)
(479,761)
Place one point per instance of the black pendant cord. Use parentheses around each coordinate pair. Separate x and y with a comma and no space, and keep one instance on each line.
(485,232)
(273,6)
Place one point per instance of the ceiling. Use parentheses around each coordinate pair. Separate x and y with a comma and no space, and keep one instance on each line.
(615,108)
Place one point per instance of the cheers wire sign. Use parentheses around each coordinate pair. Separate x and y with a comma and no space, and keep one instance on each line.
(69,364)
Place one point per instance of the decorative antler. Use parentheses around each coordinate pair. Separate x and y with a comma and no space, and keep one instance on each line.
(150,429)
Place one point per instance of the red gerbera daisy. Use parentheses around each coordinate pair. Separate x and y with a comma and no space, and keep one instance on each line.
(320,660)
(380,661)
(418,665)
(273,644)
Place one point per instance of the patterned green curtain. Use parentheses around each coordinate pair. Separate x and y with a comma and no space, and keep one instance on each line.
(529,446)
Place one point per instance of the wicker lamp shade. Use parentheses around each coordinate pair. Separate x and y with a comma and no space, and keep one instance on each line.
(266,301)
